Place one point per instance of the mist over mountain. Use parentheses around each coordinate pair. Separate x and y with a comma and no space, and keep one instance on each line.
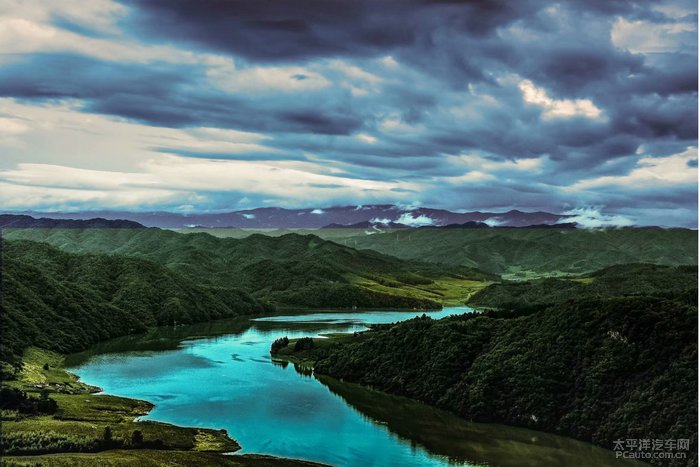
(339,216)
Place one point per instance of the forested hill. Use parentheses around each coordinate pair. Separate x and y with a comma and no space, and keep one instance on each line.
(66,302)
(596,370)
(535,251)
(614,281)
(293,269)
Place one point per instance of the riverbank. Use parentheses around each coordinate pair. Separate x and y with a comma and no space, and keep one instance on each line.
(74,425)
(592,370)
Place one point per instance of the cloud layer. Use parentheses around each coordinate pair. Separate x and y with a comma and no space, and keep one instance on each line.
(225,105)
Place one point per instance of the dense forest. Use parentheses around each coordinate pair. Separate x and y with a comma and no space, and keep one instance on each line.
(531,251)
(596,369)
(288,270)
(614,281)
(66,302)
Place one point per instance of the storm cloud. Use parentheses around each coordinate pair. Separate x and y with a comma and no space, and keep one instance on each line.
(454,104)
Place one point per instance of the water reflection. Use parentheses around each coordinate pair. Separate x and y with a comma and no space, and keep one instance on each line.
(220,375)
(445,434)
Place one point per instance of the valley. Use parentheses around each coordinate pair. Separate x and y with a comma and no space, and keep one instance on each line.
(542,301)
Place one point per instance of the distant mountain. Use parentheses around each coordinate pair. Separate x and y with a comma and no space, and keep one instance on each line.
(316,218)
(367,225)
(24,221)
(466,225)
(561,225)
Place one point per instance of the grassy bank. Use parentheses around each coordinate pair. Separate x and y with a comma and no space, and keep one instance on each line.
(81,427)
(446,290)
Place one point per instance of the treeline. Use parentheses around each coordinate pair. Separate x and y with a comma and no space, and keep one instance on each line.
(680,282)
(27,443)
(17,400)
(67,302)
(596,369)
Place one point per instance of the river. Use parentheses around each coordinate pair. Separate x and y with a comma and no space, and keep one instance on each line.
(220,375)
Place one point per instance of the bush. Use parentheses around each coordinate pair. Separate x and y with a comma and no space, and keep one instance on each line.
(16,399)
(35,442)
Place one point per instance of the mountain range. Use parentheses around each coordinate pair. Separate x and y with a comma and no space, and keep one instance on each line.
(27,222)
(339,216)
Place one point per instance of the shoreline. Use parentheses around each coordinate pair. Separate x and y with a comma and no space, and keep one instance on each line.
(304,362)
(84,415)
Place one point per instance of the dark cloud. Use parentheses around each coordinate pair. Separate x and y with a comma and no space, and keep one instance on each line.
(657,117)
(292,29)
(163,95)
(52,76)
(672,73)
(451,88)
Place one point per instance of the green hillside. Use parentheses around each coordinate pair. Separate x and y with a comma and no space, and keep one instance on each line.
(609,356)
(300,270)
(66,302)
(595,370)
(527,252)
(614,281)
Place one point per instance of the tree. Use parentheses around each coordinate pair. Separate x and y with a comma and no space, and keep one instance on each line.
(278,344)
(107,436)
(305,343)
(136,438)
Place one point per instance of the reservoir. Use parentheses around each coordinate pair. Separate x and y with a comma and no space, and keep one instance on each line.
(220,375)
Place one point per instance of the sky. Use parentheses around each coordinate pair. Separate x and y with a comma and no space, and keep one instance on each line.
(586,107)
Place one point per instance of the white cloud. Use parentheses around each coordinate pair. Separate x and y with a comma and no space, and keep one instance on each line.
(493,221)
(101,15)
(365,138)
(23,36)
(56,154)
(479,168)
(249,216)
(13,196)
(62,134)
(354,72)
(318,211)
(378,220)
(470,177)
(227,76)
(359,81)
(411,206)
(394,125)
(418,221)
(651,172)
(180,180)
(649,37)
(389,62)
(12,127)
(558,108)
(592,217)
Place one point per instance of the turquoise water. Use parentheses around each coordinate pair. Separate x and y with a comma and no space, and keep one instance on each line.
(225,378)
